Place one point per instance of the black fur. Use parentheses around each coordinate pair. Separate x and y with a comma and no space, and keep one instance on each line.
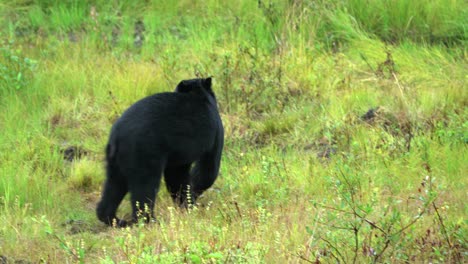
(163,134)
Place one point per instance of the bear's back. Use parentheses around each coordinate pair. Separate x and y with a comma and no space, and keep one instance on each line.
(155,122)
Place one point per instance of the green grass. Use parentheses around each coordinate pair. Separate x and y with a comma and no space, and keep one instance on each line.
(304,177)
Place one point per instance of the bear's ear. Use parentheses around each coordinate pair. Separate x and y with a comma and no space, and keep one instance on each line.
(207,86)
(207,82)
(183,87)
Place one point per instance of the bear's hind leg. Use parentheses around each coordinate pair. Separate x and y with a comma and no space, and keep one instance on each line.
(114,192)
(178,184)
(143,191)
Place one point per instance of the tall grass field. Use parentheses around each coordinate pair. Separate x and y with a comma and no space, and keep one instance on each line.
(346,129)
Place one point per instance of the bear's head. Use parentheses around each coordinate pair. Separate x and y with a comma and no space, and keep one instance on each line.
(196,86)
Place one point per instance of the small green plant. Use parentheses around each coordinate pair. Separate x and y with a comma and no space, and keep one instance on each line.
(15,69)
(76,249)
(133,246)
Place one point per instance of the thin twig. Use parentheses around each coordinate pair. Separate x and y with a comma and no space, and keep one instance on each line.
(238,210)
(304,258)
(441,221)
(335,209)
(415,219)
(334,226)
(335,249)
(363,57)
(374,225)
(377,257)
(356,243)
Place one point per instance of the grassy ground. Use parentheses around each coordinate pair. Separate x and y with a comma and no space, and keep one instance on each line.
(346,129)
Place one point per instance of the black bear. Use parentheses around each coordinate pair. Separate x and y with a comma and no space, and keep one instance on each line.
(163,134)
